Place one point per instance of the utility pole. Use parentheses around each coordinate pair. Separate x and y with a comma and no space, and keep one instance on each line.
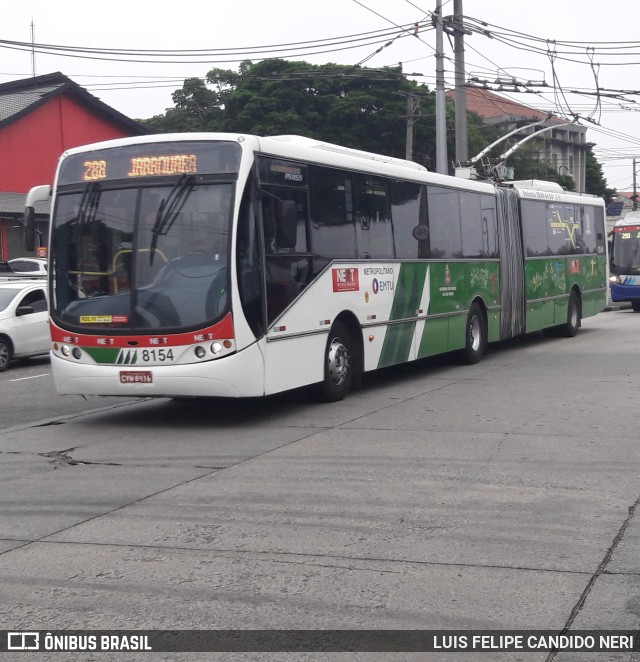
(441,111)
(33,48)
(462,142)
(413,103)
(635,195)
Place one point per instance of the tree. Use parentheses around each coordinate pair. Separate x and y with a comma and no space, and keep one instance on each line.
(348,105)
(595,182)
(352,106)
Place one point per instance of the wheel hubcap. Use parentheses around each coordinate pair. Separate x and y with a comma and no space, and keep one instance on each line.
(338,362)
(475,334)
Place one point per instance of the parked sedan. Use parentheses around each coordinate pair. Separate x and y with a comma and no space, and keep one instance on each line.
(24,321)
(29,266)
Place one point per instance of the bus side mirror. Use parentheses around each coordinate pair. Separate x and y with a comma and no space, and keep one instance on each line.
(29,229)
(36,194)
(286,224)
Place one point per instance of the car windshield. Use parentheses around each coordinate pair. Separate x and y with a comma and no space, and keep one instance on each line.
(7,295)
(152,257)
(24,265)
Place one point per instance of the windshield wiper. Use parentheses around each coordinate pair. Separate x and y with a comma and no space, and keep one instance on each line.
(169,209)
(88,207)
(87,212)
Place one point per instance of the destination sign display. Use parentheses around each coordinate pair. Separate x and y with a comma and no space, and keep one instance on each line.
(147,160)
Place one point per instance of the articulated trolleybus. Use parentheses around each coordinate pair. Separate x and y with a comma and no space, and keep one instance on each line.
(624,260)
(235,265)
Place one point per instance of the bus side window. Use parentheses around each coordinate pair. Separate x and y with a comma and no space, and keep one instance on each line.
(374,232)
(284,220)
(332,230)
(409,215)
(535,223)
(474,243)
(444,222)
(598,219)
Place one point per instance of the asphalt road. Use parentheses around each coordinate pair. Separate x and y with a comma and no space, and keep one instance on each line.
(28,395)
(498,496)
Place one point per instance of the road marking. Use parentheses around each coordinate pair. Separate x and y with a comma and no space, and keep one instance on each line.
(21,379)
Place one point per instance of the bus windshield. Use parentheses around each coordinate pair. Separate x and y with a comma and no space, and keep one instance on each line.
(142,257)
(625,254)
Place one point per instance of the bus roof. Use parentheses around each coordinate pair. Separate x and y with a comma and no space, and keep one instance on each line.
(630,218)
(310,143)
(306,149)
(535,189)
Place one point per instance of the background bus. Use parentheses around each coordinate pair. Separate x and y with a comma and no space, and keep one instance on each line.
(229,265)
(624,260)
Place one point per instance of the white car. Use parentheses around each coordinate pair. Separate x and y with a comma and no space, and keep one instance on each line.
(24,321)
(29,266)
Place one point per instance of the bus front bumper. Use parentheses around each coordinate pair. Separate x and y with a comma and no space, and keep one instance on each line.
(236,376)
(620,292)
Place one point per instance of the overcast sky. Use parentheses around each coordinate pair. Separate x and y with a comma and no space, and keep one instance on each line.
(309,29)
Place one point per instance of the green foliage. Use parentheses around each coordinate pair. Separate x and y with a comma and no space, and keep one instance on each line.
(595,182)
(527,165)
(352,106)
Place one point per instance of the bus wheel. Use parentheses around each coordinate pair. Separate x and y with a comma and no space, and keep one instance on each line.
(476,335)
(339,364)
(573,316)
(636,306)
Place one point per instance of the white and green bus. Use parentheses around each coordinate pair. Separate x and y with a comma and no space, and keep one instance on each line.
(236,265)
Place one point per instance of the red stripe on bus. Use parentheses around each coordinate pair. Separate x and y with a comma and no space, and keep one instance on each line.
(223,330)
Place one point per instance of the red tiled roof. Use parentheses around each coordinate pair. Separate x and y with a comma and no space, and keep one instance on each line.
(490,105)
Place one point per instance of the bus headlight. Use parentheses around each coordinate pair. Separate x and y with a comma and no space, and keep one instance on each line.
(216,348)
(200,351)
(615,279)
(66,350)
(77,353)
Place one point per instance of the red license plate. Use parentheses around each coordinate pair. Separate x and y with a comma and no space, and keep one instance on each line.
(136,377)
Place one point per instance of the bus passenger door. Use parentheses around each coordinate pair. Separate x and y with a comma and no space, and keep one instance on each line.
(287,261)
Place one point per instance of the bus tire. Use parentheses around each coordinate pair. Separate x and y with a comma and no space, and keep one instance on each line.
(636,306)
(339,364)
(475,334)
(573,323)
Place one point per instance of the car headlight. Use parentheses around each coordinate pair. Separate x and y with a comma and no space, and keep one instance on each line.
(615,279)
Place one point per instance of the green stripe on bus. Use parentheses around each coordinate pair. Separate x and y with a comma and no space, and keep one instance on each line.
(406,300)
(103,354)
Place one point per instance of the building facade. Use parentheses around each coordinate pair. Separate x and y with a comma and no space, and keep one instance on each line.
(563,149)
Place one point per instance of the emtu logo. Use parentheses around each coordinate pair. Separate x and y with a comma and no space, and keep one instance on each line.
(345,279)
